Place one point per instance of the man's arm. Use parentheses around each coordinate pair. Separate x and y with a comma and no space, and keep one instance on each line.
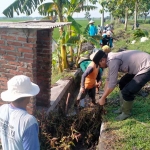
(112,79)
(107,91)
(30,138)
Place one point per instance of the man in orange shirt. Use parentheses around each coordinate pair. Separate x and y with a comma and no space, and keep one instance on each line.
(91,77)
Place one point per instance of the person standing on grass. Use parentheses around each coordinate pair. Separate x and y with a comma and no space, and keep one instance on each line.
(91,78)
(92,28)
(136,65)
(18,129)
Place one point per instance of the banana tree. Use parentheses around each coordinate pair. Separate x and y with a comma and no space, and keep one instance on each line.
(57,7)
(70,8)
(78,39)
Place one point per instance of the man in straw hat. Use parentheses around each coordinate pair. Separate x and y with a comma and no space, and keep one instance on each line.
(136,65)
(18,129)
(92,28)
(91,77)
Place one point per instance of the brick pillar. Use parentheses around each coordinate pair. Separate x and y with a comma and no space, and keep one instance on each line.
(27,52)
(17,57)
(44,65)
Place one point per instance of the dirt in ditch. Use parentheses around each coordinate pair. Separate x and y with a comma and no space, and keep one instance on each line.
(77,130)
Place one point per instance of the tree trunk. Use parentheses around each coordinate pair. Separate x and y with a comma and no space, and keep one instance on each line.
(78,53)
(62,46)
(135,15)
(111,18)
(126,19)
(102,18)
(70,48)
(145,18)
(63,50)
(119,20)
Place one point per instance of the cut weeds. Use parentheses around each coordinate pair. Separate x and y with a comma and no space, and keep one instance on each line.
(60,132)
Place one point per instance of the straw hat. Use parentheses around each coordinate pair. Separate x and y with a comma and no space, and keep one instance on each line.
(19,86)
(91,21)
(106,49)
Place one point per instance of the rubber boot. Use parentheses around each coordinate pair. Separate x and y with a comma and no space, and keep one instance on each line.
(119,111)
(126,110)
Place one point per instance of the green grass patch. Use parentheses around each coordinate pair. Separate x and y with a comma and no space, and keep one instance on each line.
(132,133)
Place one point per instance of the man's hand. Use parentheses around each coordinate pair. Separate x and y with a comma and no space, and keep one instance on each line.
(98,84)
(82,89)
(101,101)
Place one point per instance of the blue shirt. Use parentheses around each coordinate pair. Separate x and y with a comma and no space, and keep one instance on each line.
(18,129)
(92,30)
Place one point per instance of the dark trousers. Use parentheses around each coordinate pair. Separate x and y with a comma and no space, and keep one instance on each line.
(130,84)
(90,92)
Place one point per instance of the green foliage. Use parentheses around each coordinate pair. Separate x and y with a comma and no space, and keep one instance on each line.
(47,9)
(143,21)
(22,6)
(140,33)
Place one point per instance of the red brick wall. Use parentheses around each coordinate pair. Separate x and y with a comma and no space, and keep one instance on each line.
(22,52)
(44,65)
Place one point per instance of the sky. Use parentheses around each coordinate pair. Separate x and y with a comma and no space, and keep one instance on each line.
(94,13)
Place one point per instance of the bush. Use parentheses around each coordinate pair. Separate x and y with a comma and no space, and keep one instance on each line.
(142,21)
(140,33)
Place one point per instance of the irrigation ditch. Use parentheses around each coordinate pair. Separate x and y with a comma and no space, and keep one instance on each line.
(66,128)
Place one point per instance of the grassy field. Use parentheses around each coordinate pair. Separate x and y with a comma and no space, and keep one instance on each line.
(83,23)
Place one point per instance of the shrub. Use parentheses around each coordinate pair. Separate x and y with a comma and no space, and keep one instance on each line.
(140,33)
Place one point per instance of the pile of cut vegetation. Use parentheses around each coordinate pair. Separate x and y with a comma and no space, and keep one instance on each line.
(61,132)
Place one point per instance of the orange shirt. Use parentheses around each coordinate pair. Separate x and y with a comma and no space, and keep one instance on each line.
(90,80)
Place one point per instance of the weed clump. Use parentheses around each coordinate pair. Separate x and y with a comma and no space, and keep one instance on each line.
(60,132)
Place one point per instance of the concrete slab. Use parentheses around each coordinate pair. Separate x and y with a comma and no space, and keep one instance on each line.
(58,91)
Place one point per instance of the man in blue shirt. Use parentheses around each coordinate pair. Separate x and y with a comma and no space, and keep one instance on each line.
(92,28)
(18,129)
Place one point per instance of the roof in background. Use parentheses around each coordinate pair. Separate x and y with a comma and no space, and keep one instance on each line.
(33,24)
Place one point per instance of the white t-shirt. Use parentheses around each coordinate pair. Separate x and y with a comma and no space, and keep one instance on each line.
(18,129)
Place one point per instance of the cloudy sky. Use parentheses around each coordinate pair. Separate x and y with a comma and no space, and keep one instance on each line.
(6,3)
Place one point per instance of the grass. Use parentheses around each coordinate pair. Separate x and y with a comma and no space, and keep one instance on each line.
(132,133)
(128,38)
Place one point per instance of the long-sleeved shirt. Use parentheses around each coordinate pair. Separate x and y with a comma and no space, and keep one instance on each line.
(90,76)
(92,30)
(130,61)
